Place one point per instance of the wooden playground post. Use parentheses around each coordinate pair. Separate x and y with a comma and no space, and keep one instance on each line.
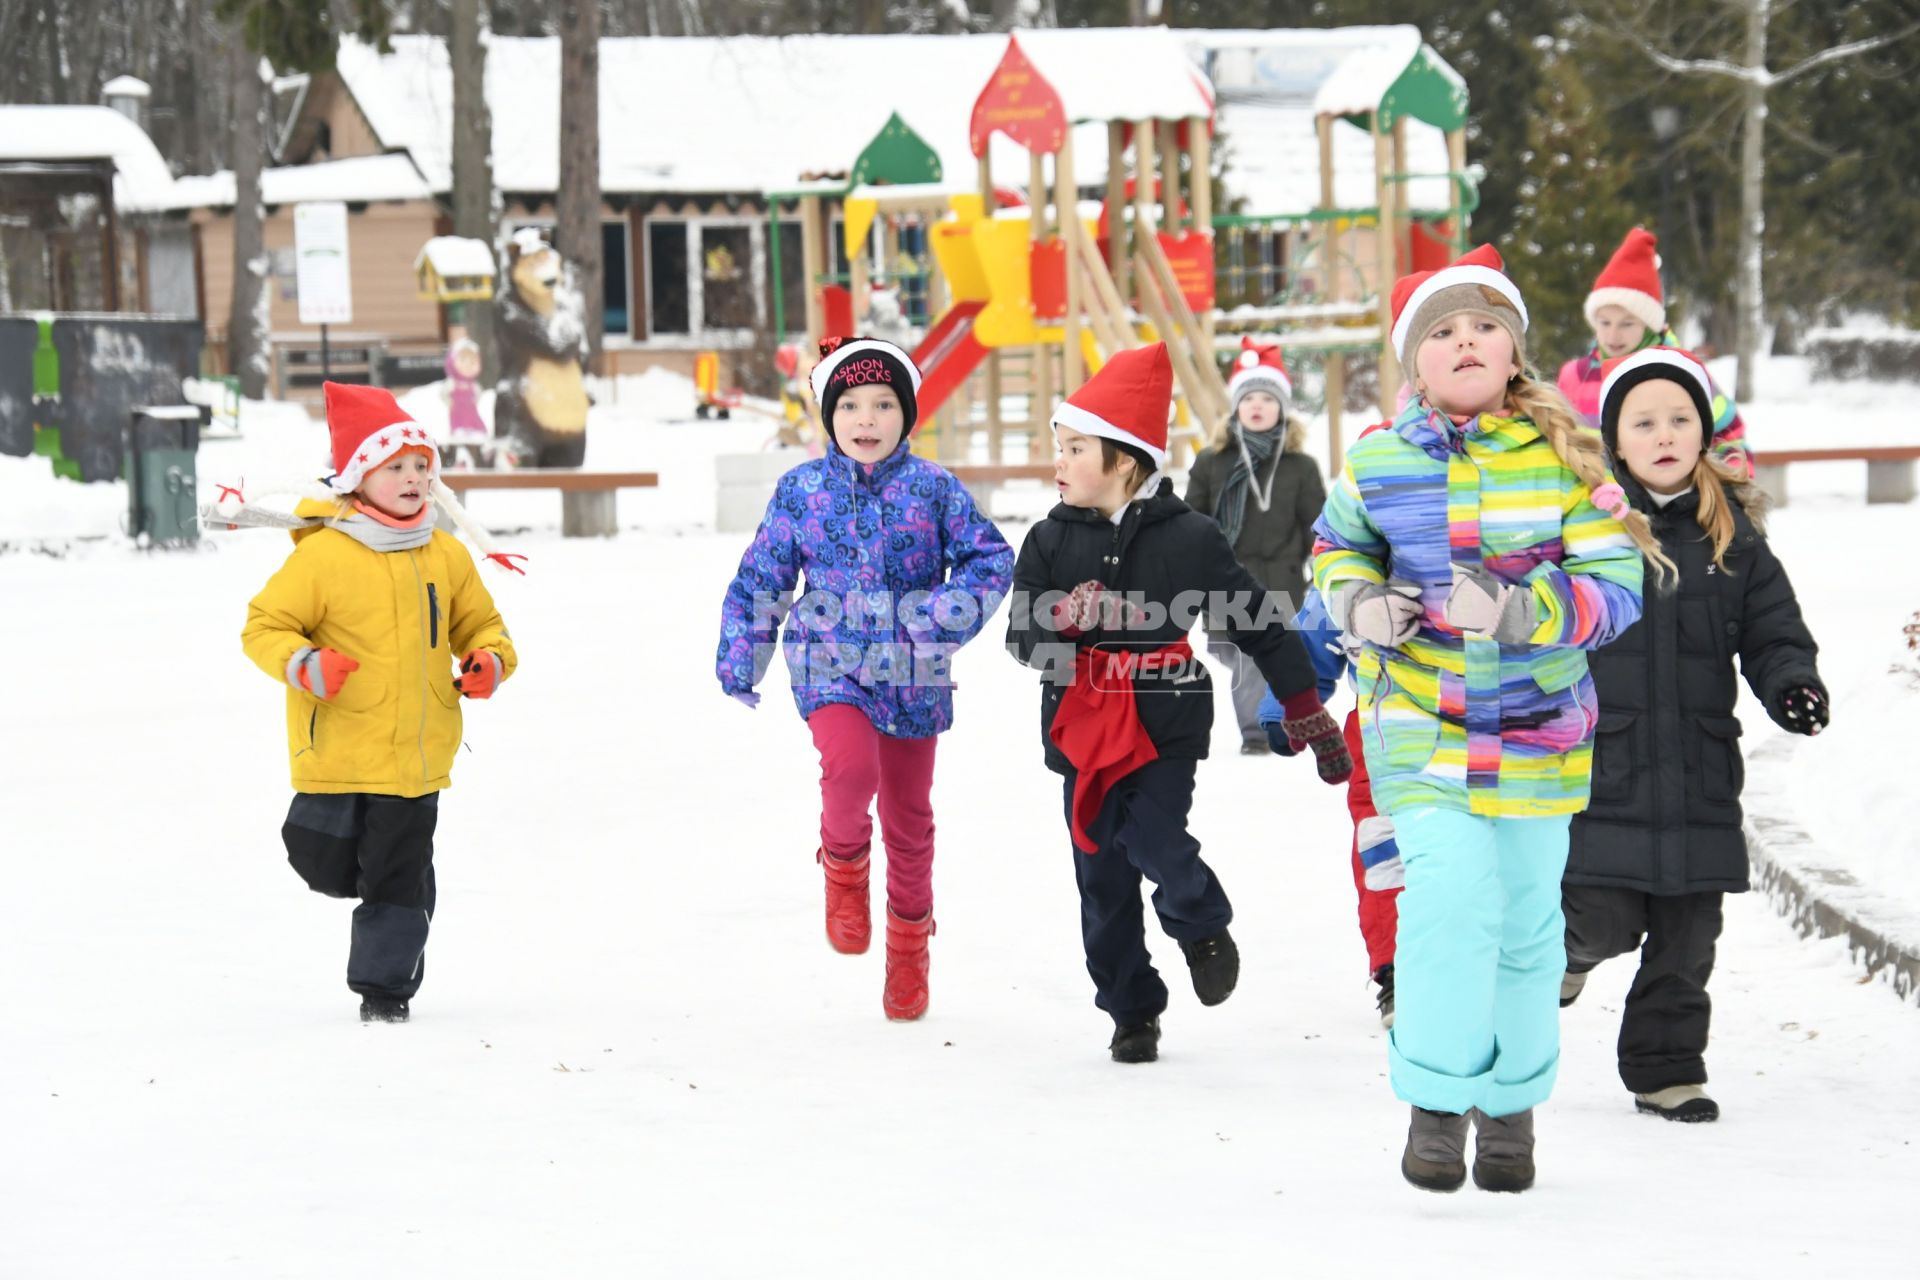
(1066,205)
(810,266)
(1040,376)
(1383,258)
(1457,163)
(1200,147)
(1402,200)
(1330,265)
(1142,192)
(1119,238)
(1173,209)
(993,357)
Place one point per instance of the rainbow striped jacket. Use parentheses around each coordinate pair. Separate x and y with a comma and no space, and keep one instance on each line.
(1464,722)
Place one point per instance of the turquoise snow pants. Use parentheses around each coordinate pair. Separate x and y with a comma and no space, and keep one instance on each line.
(1478,960)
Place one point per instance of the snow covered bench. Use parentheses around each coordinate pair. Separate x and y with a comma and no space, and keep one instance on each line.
(1889,469)
(586,497)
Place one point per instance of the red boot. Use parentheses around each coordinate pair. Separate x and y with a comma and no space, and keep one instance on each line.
(849,907)
(905,997)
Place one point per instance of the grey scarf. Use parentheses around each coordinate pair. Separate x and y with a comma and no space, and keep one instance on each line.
(1254,447)
(381,537)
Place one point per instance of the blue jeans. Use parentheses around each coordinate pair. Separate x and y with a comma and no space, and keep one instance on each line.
(1478,961)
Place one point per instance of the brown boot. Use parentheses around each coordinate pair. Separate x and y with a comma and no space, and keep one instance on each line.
(905,995)
(1503,1151)
(1436,1154)
(849,905)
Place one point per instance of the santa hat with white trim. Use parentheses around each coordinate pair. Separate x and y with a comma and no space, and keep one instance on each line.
(368,426)
(1259,367)
(1671,363)
(1475,281)
(1127,402)
(852,362)
(1631,281)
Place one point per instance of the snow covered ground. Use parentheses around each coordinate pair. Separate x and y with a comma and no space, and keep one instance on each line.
(634,1050)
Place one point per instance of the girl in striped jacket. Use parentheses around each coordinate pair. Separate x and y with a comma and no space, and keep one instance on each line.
(1478,548)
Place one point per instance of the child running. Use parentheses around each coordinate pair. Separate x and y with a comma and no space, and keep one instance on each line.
(900,570)
(1662,842)
(364,625)
(1264,492)
(1628,313)
(1107,588)
(1463,549)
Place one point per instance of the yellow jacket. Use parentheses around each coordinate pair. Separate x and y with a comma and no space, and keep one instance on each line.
(407,617)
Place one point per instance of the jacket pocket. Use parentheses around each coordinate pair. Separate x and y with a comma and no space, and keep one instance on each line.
(1557,669)
(362,692)
(1722,771)
(1613,753)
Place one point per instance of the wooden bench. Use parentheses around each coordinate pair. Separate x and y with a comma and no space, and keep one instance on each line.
(1889,469)
(586,497)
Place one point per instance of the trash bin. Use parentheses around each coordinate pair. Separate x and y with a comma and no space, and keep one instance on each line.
(163,487)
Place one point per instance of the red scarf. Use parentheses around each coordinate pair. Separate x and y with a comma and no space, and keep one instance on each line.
(1098,729)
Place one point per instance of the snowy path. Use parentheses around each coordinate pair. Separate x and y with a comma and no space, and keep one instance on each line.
(635,1053)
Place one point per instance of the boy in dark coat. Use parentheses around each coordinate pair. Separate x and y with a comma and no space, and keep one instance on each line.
(1106,590)
(1661,842)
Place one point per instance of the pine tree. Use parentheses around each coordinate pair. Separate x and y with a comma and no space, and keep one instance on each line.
(1567,218)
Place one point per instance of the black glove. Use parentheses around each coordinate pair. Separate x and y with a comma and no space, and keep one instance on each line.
(1803,709)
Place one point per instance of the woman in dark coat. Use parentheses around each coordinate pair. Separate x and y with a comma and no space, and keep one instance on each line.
(1661,841)
(1265,494)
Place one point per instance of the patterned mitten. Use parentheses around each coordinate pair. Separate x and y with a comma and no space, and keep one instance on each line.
(1804,710)
(1319,732)
(1482,604)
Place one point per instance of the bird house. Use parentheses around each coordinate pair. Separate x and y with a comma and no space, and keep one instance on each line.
(454,269)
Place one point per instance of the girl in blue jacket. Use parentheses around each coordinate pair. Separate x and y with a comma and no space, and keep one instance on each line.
(900,570)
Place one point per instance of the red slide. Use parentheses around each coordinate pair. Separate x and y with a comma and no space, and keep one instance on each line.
(947,356)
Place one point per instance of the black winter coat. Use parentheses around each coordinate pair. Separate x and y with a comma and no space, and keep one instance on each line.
(1274,544)
(1162,553)
(1667,771)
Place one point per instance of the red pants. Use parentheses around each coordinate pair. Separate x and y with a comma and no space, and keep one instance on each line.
(858,762)
(1379,908)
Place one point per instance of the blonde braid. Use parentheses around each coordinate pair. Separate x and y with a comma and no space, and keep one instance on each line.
(1720,487)
(1584,455)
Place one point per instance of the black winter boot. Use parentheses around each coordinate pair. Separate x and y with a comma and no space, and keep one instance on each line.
(1137,1043)
(382,1009)
(1503,1151)
(1215,965)
(1436,1154)
(1384,977)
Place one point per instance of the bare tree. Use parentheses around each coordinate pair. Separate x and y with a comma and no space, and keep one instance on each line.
(476,205)
(247,315)
(577,204)
(1755,80)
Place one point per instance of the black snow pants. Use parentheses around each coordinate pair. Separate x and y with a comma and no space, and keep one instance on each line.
(1142,832)
(1663,1033)
(378,849)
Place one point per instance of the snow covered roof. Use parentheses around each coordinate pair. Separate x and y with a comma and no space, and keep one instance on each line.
(452,256)
(750,114)
(361,179)
(141,179)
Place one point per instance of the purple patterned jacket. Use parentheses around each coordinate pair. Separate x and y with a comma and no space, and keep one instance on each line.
(900,570)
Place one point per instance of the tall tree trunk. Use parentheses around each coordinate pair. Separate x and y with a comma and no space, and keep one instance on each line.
(246,318)
(1749,305)
(476,211)
(577,236)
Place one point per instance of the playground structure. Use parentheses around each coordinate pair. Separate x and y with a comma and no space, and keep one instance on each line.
(1020,296)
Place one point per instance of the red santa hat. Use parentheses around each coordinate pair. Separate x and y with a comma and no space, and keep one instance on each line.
(1258,367)
(1127,402)
(368,426)
(1475,281)
(1631,281)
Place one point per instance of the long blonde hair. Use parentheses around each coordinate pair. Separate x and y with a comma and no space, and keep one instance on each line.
(1584,455)
(1720,489)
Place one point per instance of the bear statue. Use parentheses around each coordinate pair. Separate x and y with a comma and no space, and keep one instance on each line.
(540,409)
